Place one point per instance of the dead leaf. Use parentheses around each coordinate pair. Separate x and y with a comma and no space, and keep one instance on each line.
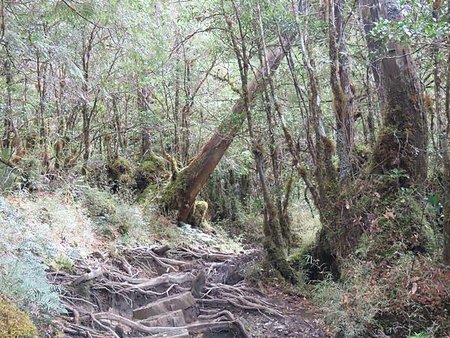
(414,288)
(389,215)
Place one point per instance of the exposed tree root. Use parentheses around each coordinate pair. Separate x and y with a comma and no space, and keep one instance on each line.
(137,291)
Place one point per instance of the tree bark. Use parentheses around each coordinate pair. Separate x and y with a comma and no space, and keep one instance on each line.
(446,159)
(181,193)
(342,89)
(402,140)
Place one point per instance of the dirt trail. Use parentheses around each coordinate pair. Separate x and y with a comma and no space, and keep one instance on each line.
(164,292)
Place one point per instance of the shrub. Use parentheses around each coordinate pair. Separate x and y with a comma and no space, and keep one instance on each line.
(22,274)
(351,305)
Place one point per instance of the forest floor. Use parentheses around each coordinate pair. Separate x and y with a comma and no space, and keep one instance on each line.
(158,280)
(178,292)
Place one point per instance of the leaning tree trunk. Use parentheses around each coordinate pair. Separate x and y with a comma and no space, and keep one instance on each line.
(402,140)
(180,194)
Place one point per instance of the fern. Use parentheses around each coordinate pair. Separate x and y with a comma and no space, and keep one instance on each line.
(22,273)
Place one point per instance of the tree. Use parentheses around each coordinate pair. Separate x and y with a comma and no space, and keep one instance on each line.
(180,194)
(402,140)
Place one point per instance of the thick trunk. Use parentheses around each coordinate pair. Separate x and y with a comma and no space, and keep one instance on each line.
(181,193)
(402,140)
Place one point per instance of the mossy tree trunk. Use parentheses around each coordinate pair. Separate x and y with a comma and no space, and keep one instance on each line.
(402,140)
(324,187)
(180,194)
(85,112)
(446,211)
(340,80)
(444,134)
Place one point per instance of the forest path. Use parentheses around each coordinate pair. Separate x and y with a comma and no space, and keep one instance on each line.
(176,292)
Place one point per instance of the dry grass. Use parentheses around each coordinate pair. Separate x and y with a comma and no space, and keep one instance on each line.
(61,221)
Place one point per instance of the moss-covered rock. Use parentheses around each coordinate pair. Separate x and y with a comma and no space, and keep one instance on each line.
(120,170)
(152,169)
(14,322)
(198,215)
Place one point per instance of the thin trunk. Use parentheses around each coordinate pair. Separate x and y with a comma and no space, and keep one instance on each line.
(274,241)
(85,112)
(270,100)
(7,120)
(370,109)
(176,114)
(445,132)
(325,174)
(42,92)
(341,88)
(118,128)
(186,111)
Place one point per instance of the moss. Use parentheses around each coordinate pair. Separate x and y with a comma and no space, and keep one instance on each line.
(62,263)
(119,169)
(152,169)
(98,202)
(171,195)
(401,142)
(397,225)
(277,259)
(302,171)
(329,146)
(14,322)
(361,156)
(384,159)
(125,179)
(299,258)
(198,215)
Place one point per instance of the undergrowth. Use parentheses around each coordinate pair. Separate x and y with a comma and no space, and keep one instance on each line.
(23,277)
(392,283)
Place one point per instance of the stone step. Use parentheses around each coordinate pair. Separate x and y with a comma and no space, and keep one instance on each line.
(182,333)
(169,319)
(182,301)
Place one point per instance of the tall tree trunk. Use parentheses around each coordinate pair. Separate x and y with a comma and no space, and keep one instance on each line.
(402,140)
(7,120)
(342,89)
(370,108)
(85,112)
(186,111)
(41,69)
(445,132)
(181,193)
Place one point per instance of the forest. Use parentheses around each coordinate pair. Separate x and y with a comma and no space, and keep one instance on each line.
(224,168)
